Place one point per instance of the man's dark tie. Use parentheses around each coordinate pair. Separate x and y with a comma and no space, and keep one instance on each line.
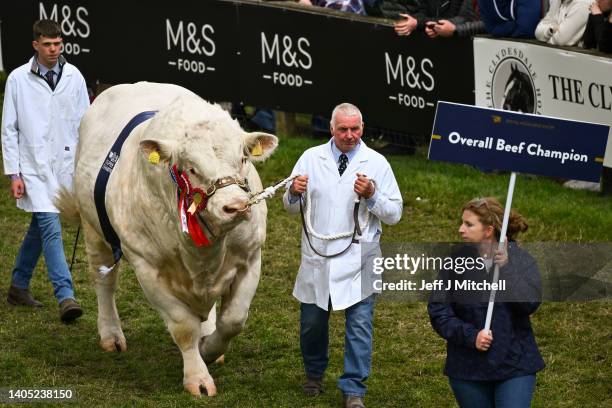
(49,78)
(343,162)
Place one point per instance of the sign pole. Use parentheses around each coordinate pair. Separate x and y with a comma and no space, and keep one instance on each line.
(502,241)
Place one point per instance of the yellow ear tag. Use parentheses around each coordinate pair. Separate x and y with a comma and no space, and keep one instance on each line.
(154,157)
(257,149)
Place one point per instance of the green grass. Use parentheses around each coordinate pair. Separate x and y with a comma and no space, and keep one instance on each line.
(263,366)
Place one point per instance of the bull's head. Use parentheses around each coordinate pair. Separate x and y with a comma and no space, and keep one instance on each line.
(215,156)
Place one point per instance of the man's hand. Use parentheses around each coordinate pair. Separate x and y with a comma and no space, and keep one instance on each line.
(298,186)
(430,29)
(17,187)
(484,340)
(305,2)
(444,28)
(406,25)
(364,186)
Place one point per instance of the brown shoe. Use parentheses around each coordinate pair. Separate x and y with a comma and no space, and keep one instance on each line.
(21,297)
(69,310)
(352,401)
(313,387)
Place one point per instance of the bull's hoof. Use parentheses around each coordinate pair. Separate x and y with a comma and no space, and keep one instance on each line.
(113,345)
(208,388)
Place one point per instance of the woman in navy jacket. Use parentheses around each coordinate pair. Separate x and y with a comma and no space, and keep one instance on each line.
(493,368)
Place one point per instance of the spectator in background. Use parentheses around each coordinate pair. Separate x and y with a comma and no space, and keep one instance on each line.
(391,8)
(564,23)
(598,32)
(510,18)
(350,6)
(471,26)
(445,14)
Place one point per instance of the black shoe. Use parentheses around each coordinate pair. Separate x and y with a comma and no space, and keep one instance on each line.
(313,387)
(69,310)
(21,297)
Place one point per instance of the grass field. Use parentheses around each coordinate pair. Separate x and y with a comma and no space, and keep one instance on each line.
(263,366)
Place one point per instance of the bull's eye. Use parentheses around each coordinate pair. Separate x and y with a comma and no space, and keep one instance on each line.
(192,171)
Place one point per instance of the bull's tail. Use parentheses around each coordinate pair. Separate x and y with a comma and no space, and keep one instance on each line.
(66,203)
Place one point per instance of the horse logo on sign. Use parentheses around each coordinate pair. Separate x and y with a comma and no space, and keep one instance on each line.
(512,86)
(519,94)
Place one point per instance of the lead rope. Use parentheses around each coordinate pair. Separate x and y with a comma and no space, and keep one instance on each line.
(355,232)
(270,191)
(332,237)
(306,223)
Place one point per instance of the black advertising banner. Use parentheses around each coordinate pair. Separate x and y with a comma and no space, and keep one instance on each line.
(193,44)
(16,25)
(264,54)
(77,20)
(398,80)
(286,59)
(301,62)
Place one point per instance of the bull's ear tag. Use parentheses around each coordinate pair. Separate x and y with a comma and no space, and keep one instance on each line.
(257,149)
(154,157)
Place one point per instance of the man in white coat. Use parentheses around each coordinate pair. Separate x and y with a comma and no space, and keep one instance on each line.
(43,104)
(332,177)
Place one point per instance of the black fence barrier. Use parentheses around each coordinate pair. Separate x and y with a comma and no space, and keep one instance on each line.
(269,55)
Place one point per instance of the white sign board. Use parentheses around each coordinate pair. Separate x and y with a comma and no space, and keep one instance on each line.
(543,80)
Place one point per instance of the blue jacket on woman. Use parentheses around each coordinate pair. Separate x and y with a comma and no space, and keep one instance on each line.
(459,318)
(510,18)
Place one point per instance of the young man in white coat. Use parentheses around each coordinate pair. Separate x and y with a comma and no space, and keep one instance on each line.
(44,101)
(332,177)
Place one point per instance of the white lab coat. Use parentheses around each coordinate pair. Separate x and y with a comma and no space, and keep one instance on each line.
(332,201)
(40,132)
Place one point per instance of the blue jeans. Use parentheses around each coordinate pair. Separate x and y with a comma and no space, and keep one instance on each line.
(512,393)
(314,341)
(44,236)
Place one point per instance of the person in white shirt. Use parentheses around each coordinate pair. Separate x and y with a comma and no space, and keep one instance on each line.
(564,23)
(341,182)
(44,101)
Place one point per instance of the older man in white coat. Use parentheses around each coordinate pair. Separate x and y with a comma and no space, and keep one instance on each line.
(43,104)
(342,183)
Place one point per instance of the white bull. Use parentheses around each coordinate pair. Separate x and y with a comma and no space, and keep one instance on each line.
(181,280)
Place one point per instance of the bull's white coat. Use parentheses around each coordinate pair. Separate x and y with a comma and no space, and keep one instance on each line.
(181,281)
